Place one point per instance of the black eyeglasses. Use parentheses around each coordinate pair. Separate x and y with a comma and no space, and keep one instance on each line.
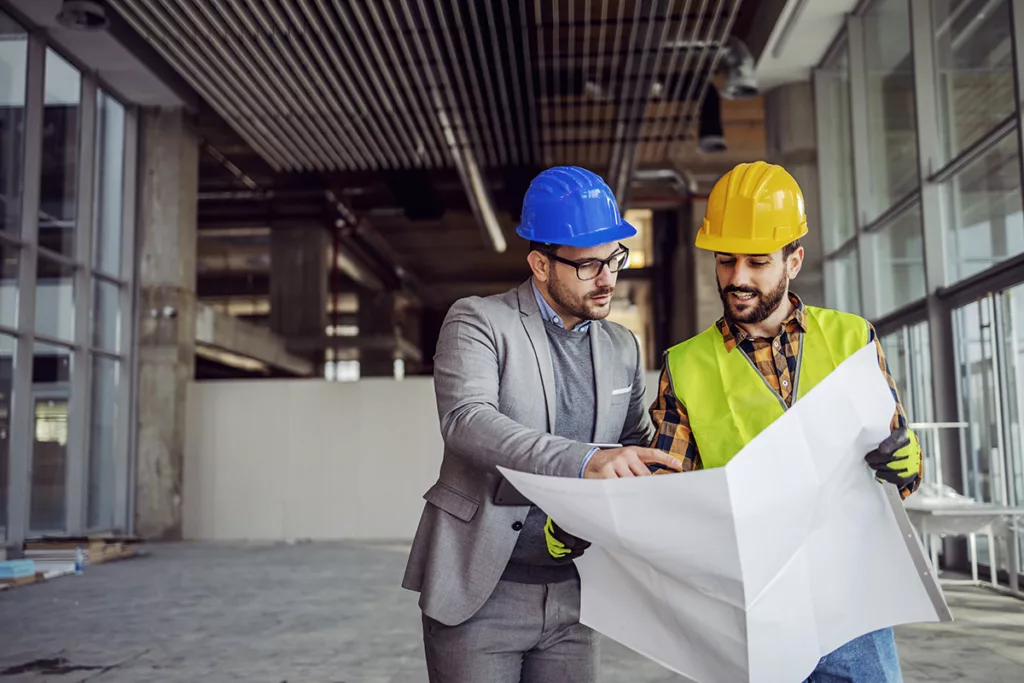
(591,268)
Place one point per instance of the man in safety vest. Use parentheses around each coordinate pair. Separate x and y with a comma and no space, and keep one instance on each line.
(719,389)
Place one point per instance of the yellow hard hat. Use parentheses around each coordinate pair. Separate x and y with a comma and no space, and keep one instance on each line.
(755,208)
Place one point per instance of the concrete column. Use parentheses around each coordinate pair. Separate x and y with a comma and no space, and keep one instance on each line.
(298,280)
(791,142)
(378,320)
(169,180)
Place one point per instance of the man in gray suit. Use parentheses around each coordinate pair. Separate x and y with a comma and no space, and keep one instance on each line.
(531,380)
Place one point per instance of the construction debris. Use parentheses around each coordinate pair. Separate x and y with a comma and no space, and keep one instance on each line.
(51,557)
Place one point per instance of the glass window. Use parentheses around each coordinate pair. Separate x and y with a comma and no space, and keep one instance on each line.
(899,260)
(892,127)
(984,205)
(102,470)
(13,65)
(57,208)
(51,391)
(836,150)
(55,299)
(106,317)
(1012,334)
(974,68)
(8,285)
(6,381)
(109,184)
(844,277)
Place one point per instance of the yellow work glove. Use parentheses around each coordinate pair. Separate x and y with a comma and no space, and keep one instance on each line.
(897,460)
(561,544)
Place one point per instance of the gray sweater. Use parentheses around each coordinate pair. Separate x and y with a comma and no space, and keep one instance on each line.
(575,410)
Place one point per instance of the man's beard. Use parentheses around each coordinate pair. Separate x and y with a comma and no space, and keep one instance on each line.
(581,306)
(758,308)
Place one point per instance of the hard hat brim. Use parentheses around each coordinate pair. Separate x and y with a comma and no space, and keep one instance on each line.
(734,245)
(614,233)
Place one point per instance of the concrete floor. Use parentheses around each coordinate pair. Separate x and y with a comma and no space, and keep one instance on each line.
(333,613)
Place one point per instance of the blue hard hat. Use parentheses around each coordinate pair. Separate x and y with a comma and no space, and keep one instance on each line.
(570,206)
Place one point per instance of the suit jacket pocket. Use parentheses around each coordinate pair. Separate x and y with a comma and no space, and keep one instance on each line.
(452,501)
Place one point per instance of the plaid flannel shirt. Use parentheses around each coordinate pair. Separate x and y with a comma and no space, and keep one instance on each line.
(776,360)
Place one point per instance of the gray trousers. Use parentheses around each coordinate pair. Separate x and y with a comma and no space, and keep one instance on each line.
(524,633)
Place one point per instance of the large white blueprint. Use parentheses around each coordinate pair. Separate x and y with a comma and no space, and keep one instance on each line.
(753,571)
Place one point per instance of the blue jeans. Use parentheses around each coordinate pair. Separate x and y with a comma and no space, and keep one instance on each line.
(871,658)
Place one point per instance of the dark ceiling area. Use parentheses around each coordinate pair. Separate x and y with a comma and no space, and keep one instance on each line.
(410,129)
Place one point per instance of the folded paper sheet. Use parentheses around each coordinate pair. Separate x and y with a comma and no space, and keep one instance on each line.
(753,571)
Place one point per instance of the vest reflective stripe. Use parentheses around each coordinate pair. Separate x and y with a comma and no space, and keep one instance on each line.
(729,402)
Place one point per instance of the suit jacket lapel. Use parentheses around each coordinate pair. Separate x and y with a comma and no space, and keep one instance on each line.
(602,381)
(534,324)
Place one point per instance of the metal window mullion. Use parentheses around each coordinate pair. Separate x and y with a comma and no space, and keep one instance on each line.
(827,158)
(863,189)
(77,469)
(929,144)
(124,419)
(22,423)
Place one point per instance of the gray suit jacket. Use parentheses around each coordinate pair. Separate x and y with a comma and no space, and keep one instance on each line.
(494,384)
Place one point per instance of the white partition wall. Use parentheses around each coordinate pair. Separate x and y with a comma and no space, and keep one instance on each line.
(297,459)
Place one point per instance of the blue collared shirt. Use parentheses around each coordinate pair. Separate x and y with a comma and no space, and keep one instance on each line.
(551,316)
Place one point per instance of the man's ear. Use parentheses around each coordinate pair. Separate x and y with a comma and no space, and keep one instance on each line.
(540,265)
(795,262)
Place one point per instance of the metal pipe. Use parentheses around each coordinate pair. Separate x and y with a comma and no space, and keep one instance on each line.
(585,71)
(594,156)
(430,135)
(528,83)
(382,92)
(514,69)
(505,107)
(286,73)
(222,100)
(663,137)
(692,104)
(483,104)
(676,44)
(294,72)
(336,93)
(545,99)
(493,97)
(305,138)
(303,71)
(474,127)
(621,147)
(425,106)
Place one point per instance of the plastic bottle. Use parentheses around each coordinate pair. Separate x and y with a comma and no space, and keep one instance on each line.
(79,561)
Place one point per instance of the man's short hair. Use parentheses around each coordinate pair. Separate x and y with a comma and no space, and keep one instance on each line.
(788,250)
(544,247)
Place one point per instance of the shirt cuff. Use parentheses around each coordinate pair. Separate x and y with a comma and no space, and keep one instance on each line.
(586,460)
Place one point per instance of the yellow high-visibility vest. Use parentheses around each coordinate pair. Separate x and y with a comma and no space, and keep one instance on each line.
(729,402)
